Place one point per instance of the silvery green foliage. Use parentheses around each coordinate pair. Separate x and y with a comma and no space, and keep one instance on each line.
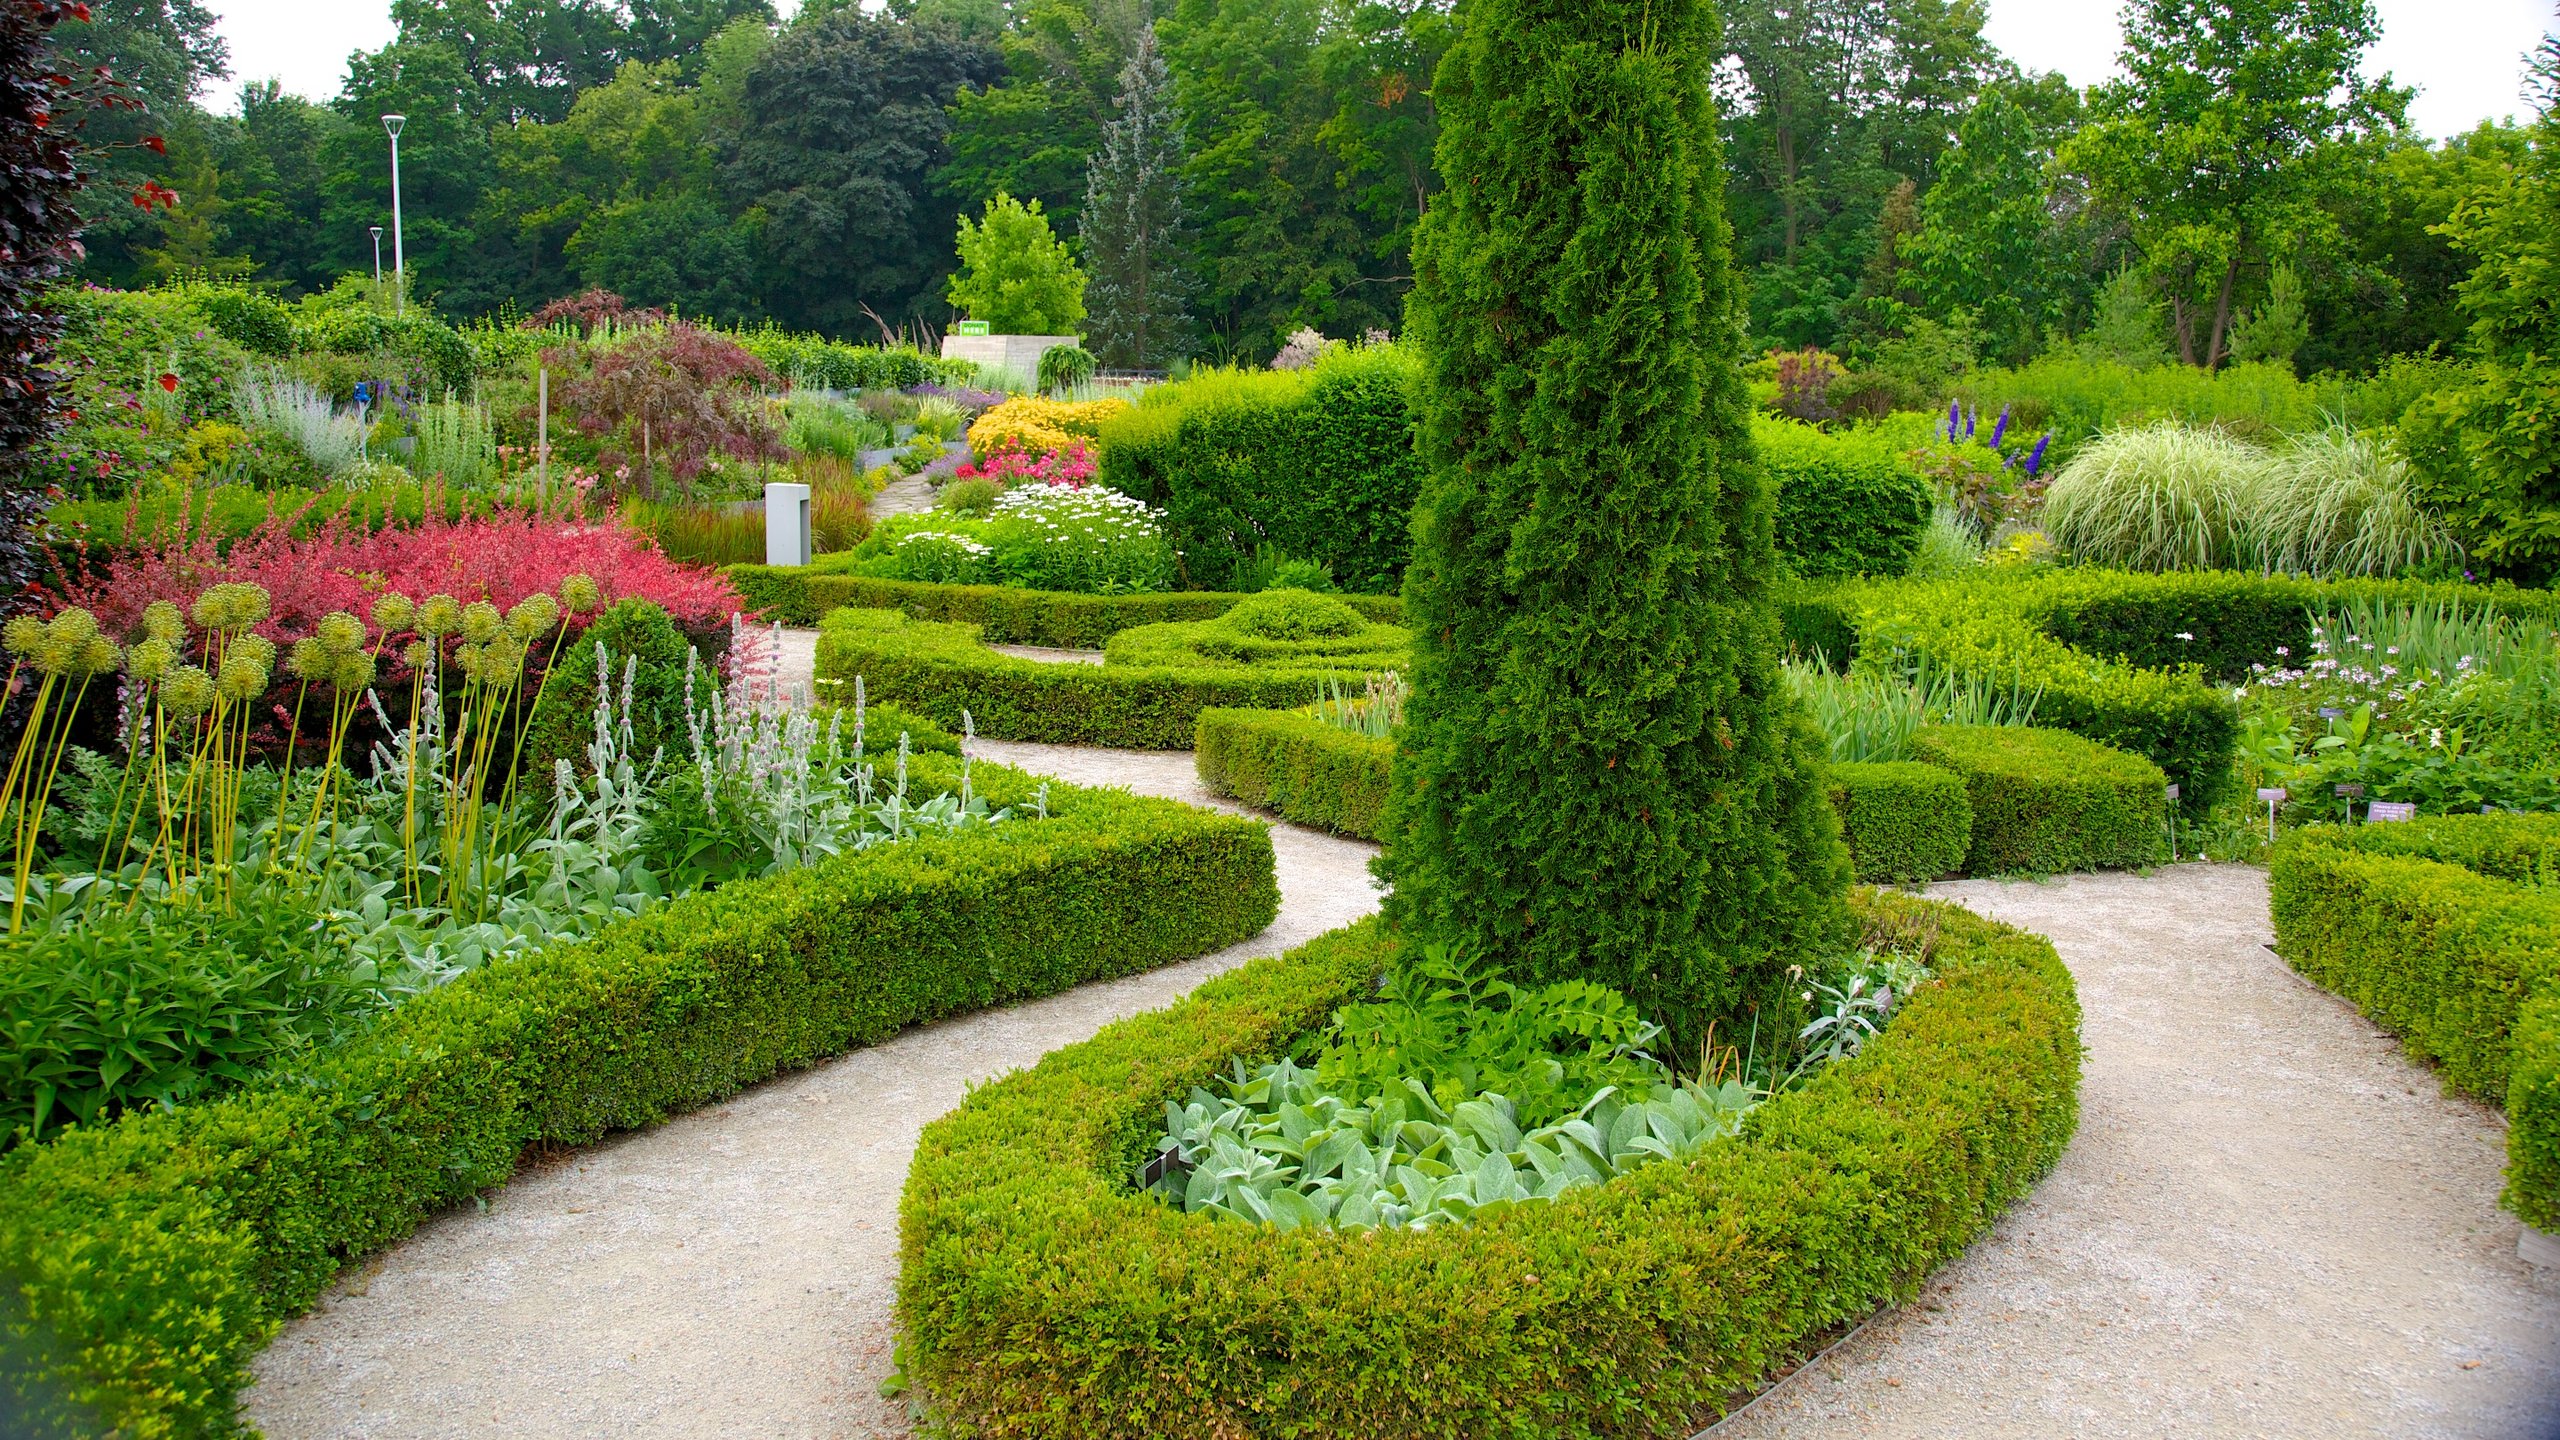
(1273,1146)
(293,409)
(796,791)
(1133,222)
(1849,1013)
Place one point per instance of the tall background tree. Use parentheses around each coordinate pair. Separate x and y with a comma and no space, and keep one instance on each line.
(2233,120)
(1133,230)
(1601,774)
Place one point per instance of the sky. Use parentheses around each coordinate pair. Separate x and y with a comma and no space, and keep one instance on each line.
(2465,56)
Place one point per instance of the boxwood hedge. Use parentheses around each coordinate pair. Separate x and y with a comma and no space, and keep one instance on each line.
(2446,932)
(1904,821)
(2133,661)
(2045,801)
(1040,1294)
(943,670)
(158,1254)
(1849,503)
(1288,761)
(1004,615)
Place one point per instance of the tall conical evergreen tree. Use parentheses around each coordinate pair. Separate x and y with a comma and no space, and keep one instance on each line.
(1602,774)
(1132,223)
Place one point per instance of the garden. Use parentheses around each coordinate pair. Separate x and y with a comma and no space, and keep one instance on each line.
(425,777)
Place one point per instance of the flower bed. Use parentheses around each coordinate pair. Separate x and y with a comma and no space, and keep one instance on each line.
(160,1253)
(2445,932)
(943,670)
(1037,535)
(1041,1294)
(1005,614)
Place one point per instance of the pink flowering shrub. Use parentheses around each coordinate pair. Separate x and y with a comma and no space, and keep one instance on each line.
(501,558)
(1072,468)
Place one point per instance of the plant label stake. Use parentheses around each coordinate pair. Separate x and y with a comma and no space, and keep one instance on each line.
(2386,812)
(2173,823)
(2350,794)
(2274,796)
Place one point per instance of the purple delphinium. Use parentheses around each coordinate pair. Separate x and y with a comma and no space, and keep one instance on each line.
(1955,417)
(2000,427)
(1970,416)
(2035,461)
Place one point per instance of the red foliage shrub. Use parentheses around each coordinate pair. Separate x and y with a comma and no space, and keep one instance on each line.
(589,309)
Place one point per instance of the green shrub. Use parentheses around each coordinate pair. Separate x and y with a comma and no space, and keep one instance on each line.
(1601,775)
(2045,802)
(163,1251)
(817,363)
(1275,630)
(257,323)
(1905,822)
(1064,367)
(1311,773)
(2078,398)
(563,720)
(1040,1295)
(1005,614)
(944,672)
(1848,502)
(2445,932)
(1319,462)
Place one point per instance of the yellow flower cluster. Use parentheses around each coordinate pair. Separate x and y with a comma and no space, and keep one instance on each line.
(1037,426)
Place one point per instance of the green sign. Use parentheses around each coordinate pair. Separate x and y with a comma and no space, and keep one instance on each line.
(972,327)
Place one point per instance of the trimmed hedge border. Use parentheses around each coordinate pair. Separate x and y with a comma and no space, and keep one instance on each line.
(1004,614)
(2046,802)
(160,1253)
(2446,933)
(1290,762)
(941,670)
(2105,645)
(1904,821)
(1041,1295)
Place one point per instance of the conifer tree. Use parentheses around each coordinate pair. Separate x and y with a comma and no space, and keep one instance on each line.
(1132,222)
(1602,775)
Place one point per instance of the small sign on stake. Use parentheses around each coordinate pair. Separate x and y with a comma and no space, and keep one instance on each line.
(2349,794)
(2173,822)
(2386,812)
(2274,796)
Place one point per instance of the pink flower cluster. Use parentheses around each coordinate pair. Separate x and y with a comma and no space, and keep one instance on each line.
(1072,468)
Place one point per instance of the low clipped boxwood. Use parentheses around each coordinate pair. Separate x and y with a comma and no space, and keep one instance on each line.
(1288,761)
(1904,821)
(944,672)
(2445,932)
(159,1253)
(1041,1294)
(1004,614)
(2045,802)
(1277,630)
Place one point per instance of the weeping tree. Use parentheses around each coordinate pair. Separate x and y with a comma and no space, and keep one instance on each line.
(1601,774)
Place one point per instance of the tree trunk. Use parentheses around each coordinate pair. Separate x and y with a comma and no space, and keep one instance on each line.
(2222,311)
(2182,319)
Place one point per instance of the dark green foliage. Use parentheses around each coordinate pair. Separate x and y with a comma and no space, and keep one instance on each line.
(1319,462)
(1312,773)
(2045,801)
(1040,1296)
(114,1011)
(1848,502)
(883,723)
(163,1251)
(1132,224)
(2445,932)
(1603,775)
(1004,614)
(1905,822)
(1063,366)
(562,724)
(257,323)
(942,671)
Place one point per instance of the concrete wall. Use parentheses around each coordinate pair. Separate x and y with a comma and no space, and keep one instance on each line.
(1019,354)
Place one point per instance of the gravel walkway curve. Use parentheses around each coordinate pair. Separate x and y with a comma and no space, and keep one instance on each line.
(2270,1224)
(729,1273)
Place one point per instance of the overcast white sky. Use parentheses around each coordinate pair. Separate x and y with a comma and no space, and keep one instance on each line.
(2464,55)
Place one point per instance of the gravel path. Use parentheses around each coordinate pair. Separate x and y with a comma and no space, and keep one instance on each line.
(910,495)
(729,1273)
(2270,1223)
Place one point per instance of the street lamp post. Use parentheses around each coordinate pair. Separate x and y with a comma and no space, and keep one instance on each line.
(377,256)
(399,253)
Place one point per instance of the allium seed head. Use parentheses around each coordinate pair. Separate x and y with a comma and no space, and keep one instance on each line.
(439,616)
(353,672)
(100,656)
(24,635)
(188,692)
(581,594)
(394,612)
(308,660)
(73,627)
(533,616)
(240,679)
(162,620)
(481,622)
(258,650)
(151,660)
(340,633)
